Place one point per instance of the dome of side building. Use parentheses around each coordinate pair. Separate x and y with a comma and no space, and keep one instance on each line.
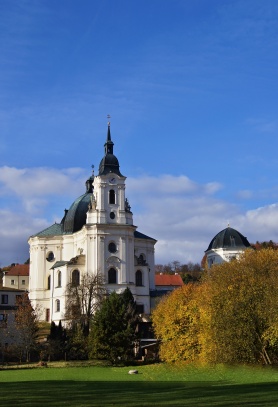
(226,245)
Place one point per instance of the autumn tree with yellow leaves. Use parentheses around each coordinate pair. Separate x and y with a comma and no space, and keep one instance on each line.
(229,317)
(176,323)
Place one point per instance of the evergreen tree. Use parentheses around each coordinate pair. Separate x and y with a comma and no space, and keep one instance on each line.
(56,341)
(113,331)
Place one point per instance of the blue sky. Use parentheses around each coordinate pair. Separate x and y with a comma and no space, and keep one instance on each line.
(191,87)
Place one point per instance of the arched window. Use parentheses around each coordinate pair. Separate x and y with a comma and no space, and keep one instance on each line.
(138,278)
(75,278)
(112,247)
(112,196)
(48,282)
(142,259)
(59,282)
(58,304)
(112,276)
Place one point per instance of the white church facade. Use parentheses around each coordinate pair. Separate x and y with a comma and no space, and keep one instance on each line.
(96,235)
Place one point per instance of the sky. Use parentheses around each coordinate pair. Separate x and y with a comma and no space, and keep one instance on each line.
(191,88)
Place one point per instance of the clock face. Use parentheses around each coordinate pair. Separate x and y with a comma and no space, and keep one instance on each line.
(112,180)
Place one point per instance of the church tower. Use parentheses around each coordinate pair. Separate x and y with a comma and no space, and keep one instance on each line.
(96,235)
(110,223)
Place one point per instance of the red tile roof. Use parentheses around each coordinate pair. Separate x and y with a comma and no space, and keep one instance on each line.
(18,270)
(168,279)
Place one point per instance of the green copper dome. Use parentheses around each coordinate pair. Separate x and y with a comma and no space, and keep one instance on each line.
(75,217)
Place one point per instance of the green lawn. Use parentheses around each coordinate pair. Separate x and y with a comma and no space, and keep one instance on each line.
(155,385)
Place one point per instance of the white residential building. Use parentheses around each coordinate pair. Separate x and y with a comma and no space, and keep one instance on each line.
(8,333)
(17,277)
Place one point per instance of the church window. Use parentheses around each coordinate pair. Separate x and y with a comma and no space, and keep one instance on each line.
(141,259)
(58,305)
(75,278)
(12,282)
(112,276)
(48,282)
(139,278)
(112,247)
(50,256)
(59,280)
(23,282)
(112,198)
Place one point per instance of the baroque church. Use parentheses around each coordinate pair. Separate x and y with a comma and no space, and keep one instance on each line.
(95,235)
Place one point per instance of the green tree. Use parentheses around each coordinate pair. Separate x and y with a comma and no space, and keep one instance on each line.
(56,341)
(113,332)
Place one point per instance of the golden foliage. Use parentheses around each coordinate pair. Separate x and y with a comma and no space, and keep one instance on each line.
(175,322)
(229,317)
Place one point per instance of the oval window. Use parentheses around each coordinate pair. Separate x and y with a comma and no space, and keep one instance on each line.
(50,256)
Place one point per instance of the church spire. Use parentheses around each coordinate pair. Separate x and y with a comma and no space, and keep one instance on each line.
(108,146)
(109,163)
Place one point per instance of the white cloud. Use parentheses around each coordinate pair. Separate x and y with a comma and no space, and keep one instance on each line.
(245,194)
(184,223)
(181,214)
(35,187)
(262,222)
(15,230)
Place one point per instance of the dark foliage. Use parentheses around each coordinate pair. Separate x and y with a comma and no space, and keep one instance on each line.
(113,333)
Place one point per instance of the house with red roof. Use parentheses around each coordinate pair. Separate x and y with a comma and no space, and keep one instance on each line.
(168,282)
(17,277)
(164,283)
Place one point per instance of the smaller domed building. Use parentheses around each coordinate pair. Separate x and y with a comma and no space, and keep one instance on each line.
(225,246)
